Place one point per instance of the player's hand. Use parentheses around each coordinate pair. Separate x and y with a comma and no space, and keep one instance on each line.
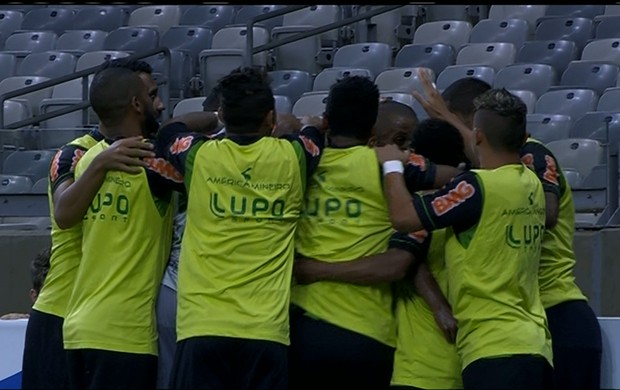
(391,152)
(447,323)
(286,124)
(303,270)
(433,103)
(15,316)
(126,155)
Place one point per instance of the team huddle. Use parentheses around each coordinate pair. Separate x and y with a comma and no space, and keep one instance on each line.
(238,248)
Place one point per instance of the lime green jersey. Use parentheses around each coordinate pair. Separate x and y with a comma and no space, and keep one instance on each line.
(345,217)
(126,240)
(66,243)
(423,357)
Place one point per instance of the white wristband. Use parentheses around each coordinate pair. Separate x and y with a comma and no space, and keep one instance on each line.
(393,166)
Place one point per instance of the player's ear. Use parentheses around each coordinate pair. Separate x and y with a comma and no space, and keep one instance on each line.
(33,294)
(220,115)
(478,135)
(372,141)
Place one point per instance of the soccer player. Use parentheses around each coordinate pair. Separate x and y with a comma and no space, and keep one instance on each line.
(575,331)
(396,123)
(245,194)
(44,361)
(344,334)
(109,329)
(496,218)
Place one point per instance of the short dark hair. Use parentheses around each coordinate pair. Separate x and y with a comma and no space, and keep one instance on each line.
(460,94)
(390,118)
(502,117)
(352,107)
(245,99)
(111,92)
(212,101)
(125,62)
(39,267)
(440,142)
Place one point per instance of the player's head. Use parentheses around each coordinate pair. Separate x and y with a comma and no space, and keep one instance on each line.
(247,105)
(499,120)
(212,101)
(120,97)
(351,108)
(145,71)
(440,142)
(38,271)
(460,95)
(396,123)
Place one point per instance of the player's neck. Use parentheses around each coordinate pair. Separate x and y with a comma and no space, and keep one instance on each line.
(340,141)
(121,130)
(494,160)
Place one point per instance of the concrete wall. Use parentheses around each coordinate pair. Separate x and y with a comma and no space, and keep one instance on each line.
(597,270)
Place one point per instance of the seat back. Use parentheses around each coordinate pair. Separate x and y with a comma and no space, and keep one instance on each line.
(213,17)
(34,164)
(374,56)
(56,19)
(185,106)
(602,50)
(100,17)
(548,127)
(452,32)
(47,64)
(94,58)
(161,16)
(537,78)
(436,56)
(457,72)
(132,39)
(557,53)
(590,74)
(247,12)
(31,41)
(513,31)
(80,41)
(291,83)
(311,104)
(576,29)
(571,102)
(329,76)
(495,54)
(15,184)
(402,79)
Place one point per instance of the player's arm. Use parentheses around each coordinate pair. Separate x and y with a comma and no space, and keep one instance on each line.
(539,159)
(204,122)
(71,198)
(388,266)
(308,145)
(422,174)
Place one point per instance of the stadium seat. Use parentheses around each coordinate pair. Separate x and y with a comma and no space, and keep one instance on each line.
(603,126)
(374,56)
(247,12)
(610,100)
(181,70)
(537,78)
(15,111)
(283,104)
(187,105)
(94,58)
(439,12)
(528,97)
(47,64)
(291,83)
(436,56)
(402,79)
(310,105)
(316,16)
(10,21)
(407,99)
(213,17)
(32,99)
(607,27)
(582,11)
(40,187)
(8,65)
(63,95)
(15,184)
(300,55)
(578,30)
(529,13)
(31,163)
(452,32)
(77,42)
(495,54)
(590,74)
(23,43)
(385,27)
(557,53)
(572,102)
(162,17)
(548,127)
(56,19)
(132,39)
(329,76)
(190,38)
(456,72)
(612,9)
(228,51)
(602,50)
(514,31)
(100,17)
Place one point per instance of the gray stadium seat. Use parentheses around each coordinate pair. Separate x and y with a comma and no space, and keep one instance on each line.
(590,74)
(187,105)
(603,126)
(607,27)
(100,17)
(578,30)
(47,64)
(40,187)
(181,70)
(15,184)
(556,53)
(23,43)
(548,127)
(329,76)
(315,15)
(407,99)
(456,72)
(63,95)
(529,13)
(31,163)
(77,42)
(385,27)
(514,31)
(56,19)
(612,9)
(15,111)
(10,21)
(580,154)
(584,11)
(572,102)
(374,56)
(310,105)
(283,104)
(537,78)
(214,17)
(94,58)
(162,17)
(602,50)
(291,83)
(190,38)
(439,12)
(528,97)
(436,56)
(402,79)
(610,100)
(33,99)
(247,12)
(302,54)
(494,54)
(132,39)
(8,65)
(452,32)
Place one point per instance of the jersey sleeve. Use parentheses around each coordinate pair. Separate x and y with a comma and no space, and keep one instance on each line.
(419,173)
(416,243)
(309,145)
(176,145)
(63,164)
(540,160)
(458,204)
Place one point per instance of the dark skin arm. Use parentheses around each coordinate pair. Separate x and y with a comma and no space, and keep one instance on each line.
(552,210)
(204,122)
